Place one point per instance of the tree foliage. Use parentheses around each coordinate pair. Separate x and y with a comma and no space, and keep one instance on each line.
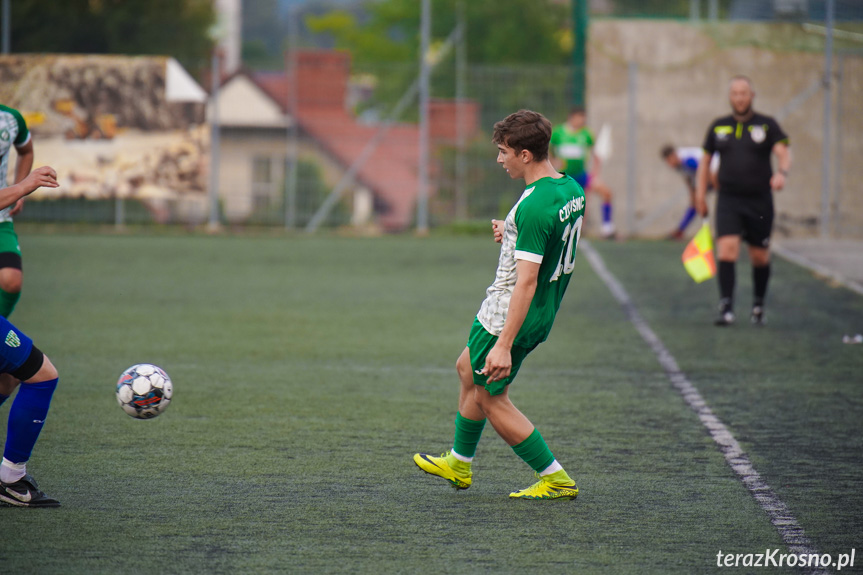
(177,28)
(264,34)
(498,31)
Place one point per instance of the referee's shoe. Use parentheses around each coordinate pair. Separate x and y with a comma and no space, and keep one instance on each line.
(726,315)
(757,317)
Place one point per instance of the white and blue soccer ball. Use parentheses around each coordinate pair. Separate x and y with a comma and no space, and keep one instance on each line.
(144,391)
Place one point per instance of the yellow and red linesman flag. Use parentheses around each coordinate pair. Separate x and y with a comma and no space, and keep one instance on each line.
(698,255)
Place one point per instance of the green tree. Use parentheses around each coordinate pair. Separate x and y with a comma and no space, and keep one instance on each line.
(655,8)
(498,31)
(177,28)
(264,33)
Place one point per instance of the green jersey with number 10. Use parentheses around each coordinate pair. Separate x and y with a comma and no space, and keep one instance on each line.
(544,228)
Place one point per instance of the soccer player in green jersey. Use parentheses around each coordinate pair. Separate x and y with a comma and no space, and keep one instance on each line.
(538,241)
(573,143)
(21,361)
(13,132)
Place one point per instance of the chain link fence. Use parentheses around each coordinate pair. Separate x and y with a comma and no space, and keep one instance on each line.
(650,83)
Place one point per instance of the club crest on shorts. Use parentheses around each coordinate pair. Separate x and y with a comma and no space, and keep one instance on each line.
(12,339)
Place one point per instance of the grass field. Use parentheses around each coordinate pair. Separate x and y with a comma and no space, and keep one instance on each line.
(307,372)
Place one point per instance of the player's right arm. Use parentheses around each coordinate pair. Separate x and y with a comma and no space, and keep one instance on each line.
(498,362)
(40,177)
(497,228)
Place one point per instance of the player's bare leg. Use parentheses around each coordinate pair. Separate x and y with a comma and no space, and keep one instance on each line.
(760,258)
(727,251)
(520,434)
(467,404)
(26,418)
(455,465)
(11,280)
(7,384)
(510,423)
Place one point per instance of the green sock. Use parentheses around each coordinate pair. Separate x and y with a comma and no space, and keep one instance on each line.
(467,434)
(7,302)
(534,451)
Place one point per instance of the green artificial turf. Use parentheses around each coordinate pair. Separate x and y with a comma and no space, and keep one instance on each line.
(308,370)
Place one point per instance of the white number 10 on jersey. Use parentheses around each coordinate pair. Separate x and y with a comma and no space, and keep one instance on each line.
(571,235)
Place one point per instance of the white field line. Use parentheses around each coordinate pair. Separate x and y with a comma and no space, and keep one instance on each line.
(780,516)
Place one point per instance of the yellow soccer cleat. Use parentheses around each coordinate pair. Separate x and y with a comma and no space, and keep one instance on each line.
(439,466)
(544,489)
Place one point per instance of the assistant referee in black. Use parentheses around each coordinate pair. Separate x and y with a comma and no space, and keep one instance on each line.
(744,141)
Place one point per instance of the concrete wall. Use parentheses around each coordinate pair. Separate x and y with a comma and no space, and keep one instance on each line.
(682,86)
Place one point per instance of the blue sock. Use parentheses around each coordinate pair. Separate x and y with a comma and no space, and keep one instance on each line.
(687,219)
(26,418)
(3,398)
(606,213)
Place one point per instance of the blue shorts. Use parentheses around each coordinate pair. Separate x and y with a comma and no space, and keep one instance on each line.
(583,180)
(15,347)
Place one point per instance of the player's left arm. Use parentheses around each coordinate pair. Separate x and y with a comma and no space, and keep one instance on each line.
(783,159)
(498,362)
(780,141)
(22,169)
(595,165)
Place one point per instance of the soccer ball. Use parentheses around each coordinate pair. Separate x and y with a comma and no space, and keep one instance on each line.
(144,391)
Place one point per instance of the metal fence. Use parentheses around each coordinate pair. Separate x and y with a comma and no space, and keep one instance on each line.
(650,82)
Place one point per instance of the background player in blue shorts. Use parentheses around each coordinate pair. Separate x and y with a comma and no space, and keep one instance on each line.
(572,144)
(684,161)
(25,363)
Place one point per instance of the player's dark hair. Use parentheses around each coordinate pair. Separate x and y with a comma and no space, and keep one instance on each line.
(666,150)
(524,130)
(576,110)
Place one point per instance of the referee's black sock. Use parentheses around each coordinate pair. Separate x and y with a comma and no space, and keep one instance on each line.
(760,277)
(726,282)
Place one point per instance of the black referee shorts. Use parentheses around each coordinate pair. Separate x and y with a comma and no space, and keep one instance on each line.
(750,217)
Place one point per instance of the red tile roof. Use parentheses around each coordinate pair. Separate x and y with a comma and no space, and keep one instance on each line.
(275,85)
(391,172)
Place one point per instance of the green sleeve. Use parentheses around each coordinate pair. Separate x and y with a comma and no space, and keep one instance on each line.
(533,232)
(23,132)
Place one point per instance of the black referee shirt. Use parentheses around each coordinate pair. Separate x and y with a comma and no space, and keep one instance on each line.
(744,152)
